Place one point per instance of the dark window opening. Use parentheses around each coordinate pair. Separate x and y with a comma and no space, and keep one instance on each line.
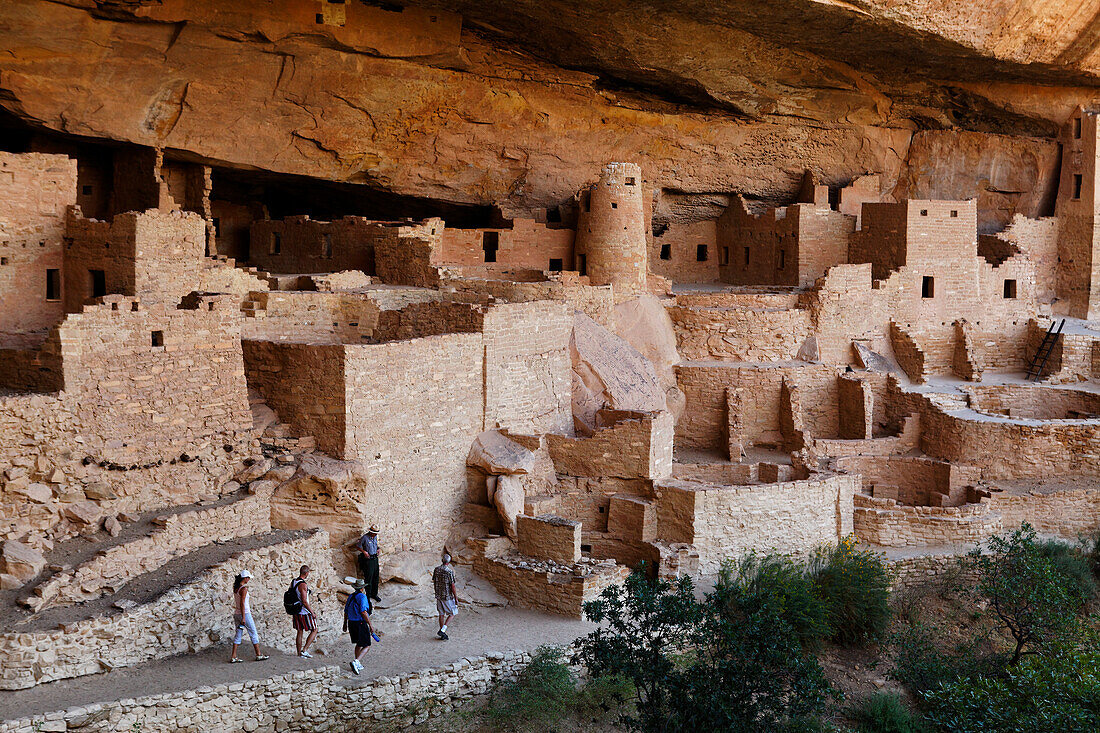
(320,18)
(701,253)
(276,243)
(490,243)
(586,548)
(924,212)
(53,283)
(217,226)
(1077,128)
(3,260)
(725,258)
(98,283)
(1010,289)
(614,205)
(666,251)
(86,190)
(782,259)
(746,256)
(555,264)
(582,266)
(954,213)
(326,245)
(928,287)
(630,181)
(158,338)
(1077,186)
(553,216)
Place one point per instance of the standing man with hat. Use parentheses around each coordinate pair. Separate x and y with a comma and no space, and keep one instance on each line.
(367,546)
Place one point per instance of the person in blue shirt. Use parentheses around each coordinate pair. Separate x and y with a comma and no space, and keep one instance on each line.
(357,623)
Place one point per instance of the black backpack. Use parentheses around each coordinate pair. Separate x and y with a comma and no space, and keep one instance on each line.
(292,602)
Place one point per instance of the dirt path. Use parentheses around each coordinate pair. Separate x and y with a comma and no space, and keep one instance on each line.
(472,634)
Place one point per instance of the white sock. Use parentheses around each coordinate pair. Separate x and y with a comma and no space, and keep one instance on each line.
(443,628)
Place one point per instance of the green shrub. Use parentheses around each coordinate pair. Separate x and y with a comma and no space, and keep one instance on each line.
(543,690)
(921,665)
(884,712)
(854,586)
(1057,691)
(777,582)
(1073,564)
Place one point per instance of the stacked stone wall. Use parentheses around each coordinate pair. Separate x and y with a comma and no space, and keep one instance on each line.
(639,446)
(528,244)
(675,254)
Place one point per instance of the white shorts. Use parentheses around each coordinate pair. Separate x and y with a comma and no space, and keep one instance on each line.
(446,608)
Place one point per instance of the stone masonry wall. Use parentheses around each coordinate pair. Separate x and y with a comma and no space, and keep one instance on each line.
(687,253)
(638,446)
(35,190)
(547,537)
(527,243)
(176,622)
(298,702)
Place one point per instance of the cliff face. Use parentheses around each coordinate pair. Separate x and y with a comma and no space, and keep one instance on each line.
(518,103)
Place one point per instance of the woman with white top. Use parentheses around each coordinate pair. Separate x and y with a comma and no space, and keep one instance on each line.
(242,616)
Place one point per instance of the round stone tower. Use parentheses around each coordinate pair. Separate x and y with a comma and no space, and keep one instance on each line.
(611,230)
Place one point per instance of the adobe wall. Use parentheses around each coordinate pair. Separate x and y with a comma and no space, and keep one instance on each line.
(822,240)
(139,402)
(611,230)
(637,446)
(1078,272)
(910,480)
(35,190)
(881,238)
(703,424)
(1039,402)
(675,253)
(182,617)
(312,316)
(528,244)
(155,255)
(1071,513)
(750,245)
(305,384)
(413,410)
(528,372)
(727,521)
(1037,239)
(547,537)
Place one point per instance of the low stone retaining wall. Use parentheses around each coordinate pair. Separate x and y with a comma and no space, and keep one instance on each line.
(177,535)
(312,700)
(885,522)
(186,618)
(529,583)
(911,572)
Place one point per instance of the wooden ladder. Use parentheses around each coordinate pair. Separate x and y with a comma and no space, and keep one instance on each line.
(1039,361)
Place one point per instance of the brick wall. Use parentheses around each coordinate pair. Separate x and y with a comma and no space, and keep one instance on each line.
(35,190)
(675,254)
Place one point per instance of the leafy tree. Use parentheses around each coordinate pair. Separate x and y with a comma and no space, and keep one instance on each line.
(1025,588)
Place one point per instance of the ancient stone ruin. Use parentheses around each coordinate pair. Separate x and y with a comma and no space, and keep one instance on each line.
(269,277)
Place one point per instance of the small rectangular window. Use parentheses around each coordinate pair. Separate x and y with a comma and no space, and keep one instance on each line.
(630,181)
(666,251)
(158,338)
(276,243)
(701,253)
(1076,186)
(1077,128)
(319,18)
(53,283)
(614,205)
(924,212)
(555,264)
(490,243)
(782,259)
(326,245)
(4,261)
(954,214)
(928,287)
(1010,289)
(725,259)
(86,190)
(582,264)
(97,283)
(746,256)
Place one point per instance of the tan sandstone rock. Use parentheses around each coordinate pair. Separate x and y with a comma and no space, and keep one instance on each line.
(508,499)
(21,561)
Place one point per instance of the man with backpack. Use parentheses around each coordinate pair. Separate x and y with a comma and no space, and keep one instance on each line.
(296,603)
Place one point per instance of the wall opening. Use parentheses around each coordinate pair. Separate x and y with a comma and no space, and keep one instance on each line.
(1010,288)
(924,212)
(666,251)
(276,243)
(53,283)
(555,264)
(630,179)
(326,245)
(490,243)
(954,214)
(724,256)
(701,253)
(1076,186)
(614,205)
(97,283)
(582,264)
(1077,128)
(782,259)
(928,287)
(158,338)
(746,256)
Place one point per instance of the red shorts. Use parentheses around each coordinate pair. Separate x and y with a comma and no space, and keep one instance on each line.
(304,622)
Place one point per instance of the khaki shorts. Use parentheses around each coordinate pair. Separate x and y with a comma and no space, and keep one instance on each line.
(446,608)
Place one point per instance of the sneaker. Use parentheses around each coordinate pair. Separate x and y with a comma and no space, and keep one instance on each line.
(235,660)
(306,655)
(440,634)
(443,635)
(262,657)
(355,667)
(376,599)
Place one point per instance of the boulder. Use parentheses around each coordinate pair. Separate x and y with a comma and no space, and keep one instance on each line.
(36,493)
(253,472)
(508,499)
(497,454)
(872,360)
(99,491)
(82,512)
(9,582)
(112,526)
(644,323)
(280,474)
(410,568)
(21,561)
(609,373)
